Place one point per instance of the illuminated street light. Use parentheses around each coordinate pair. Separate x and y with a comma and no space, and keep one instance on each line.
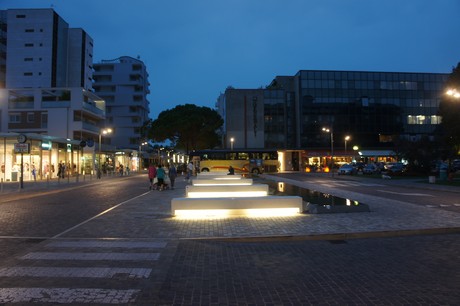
(232,140)
(346,139)
(102,132)
(139,157)
(453,93)
(327,130)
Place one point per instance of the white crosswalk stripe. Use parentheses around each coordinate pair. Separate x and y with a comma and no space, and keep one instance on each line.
(102,262)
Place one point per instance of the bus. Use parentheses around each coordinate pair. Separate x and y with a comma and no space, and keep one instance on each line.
(254,161)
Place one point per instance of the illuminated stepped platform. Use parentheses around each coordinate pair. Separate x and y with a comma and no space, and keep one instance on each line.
(214,173)
(274,205)
(254,190)
(215,181)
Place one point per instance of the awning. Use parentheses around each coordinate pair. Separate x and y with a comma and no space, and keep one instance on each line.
(376,153)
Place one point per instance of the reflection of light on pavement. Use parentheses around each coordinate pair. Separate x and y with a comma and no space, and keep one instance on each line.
(407,193)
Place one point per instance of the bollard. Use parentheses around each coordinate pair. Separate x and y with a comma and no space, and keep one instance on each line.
(1,186)
(47,181)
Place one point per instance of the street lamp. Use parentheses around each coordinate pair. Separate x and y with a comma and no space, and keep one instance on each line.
(102,132)
(346,139)
(327,130)
(139,156)
(454,93)
(232,140)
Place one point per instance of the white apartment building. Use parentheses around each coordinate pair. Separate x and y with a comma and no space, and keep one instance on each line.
(46,90)
(123,84)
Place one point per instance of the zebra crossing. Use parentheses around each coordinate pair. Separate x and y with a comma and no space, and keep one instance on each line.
(80,271)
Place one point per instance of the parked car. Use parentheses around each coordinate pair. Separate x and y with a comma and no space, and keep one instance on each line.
(395,168)
(370,169)
(347,169)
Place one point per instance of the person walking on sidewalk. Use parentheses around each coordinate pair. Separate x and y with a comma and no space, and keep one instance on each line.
(152,175)
(172,175)
(160,177)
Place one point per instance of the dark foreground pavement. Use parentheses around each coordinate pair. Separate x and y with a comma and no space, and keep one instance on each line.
(398,254)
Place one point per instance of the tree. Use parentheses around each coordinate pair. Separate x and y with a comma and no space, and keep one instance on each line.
(188,127)
(449,110)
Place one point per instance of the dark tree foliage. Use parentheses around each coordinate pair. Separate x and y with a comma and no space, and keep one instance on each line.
(449,109)
(188,127)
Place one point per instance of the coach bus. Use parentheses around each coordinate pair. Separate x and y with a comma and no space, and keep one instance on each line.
(242,160)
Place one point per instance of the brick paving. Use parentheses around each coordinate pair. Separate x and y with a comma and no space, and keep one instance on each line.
(393,255)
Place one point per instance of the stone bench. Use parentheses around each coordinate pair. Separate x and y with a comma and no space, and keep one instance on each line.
(218,191)
(236,206)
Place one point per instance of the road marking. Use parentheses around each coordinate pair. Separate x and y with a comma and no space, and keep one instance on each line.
(98,215)
(107,244)
(71,272)
(407,193)
(91,256)
(67,295)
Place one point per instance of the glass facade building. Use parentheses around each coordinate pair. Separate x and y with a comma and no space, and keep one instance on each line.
(375,108)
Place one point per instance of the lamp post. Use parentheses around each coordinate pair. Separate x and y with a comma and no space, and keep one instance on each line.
(346,139)
(329,130)
(232,140)
(102,132)
(139,156)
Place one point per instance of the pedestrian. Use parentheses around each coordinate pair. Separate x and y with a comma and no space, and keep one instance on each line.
(231,170)
(121,170)
(152,175)
(189,170)
(160,177)
(172,175)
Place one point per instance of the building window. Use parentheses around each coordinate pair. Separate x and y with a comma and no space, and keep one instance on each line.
(44,120)
(15,118)
(421,119)
(30,117)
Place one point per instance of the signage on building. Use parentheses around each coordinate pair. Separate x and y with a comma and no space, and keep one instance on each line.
(21,148)
(46,145)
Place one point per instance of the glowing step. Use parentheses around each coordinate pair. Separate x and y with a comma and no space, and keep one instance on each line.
(214,173)
(220,191)
(269,205)
(214,182)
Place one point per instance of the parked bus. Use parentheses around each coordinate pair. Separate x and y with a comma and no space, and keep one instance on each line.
(242,160)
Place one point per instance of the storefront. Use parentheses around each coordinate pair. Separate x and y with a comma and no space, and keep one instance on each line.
(44,157)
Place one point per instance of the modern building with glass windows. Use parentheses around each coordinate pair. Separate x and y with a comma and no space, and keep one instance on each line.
(373,109)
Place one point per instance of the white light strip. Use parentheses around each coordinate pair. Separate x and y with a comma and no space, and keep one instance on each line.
(195,183)
(225,194)
(224,213)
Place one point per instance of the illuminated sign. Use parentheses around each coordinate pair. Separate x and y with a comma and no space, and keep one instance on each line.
(46,145)
(21,148)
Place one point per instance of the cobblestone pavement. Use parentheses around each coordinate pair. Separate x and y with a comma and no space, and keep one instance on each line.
(136,253)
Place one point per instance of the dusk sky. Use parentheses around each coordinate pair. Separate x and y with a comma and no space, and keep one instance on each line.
(195,49)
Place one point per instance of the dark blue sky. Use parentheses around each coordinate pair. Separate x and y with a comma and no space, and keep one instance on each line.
(194,49)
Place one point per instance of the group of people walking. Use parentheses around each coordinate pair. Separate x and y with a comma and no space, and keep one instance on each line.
(158,177)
